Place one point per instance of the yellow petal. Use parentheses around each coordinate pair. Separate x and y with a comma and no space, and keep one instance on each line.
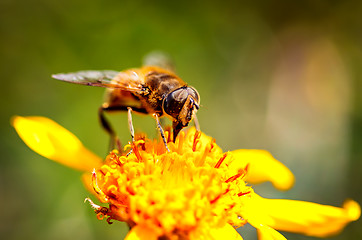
(268,233)
(225,232)
(303,217)
(263,167)
(221,233)
(52,141)
(256,216)
(140,233)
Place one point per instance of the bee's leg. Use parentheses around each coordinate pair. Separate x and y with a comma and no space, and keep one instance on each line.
(196,122)
(161,131)
(130,124)
(108,128)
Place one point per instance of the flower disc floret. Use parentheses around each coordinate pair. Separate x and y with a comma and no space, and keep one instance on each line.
(185,190)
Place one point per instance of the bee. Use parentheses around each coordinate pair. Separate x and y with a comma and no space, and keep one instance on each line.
(147,90)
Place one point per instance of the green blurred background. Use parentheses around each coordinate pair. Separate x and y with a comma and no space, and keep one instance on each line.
(275,75)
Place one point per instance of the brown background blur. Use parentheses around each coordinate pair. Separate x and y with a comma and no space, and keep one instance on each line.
(275,75)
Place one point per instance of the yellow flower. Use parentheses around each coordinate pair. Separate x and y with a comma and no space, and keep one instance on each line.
(195,191)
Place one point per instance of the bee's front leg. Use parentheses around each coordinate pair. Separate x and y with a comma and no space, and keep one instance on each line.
(196,123)
(114,141)
(161,131)
(130,123)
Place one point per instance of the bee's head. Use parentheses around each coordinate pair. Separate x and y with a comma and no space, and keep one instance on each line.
(181,104)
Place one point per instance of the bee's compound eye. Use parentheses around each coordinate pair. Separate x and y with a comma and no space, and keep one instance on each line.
(174,101)
(192,91)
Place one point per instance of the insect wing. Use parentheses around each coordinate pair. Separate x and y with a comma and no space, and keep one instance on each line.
(106,78)
(130,80)
(159,59)
(90,78)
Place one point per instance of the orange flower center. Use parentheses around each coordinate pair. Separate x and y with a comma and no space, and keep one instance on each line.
(186,190)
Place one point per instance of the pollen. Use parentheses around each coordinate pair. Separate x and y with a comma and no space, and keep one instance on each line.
(186,191)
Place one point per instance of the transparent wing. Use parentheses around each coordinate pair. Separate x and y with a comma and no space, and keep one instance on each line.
(159,59)
(90,78)
(105,78)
